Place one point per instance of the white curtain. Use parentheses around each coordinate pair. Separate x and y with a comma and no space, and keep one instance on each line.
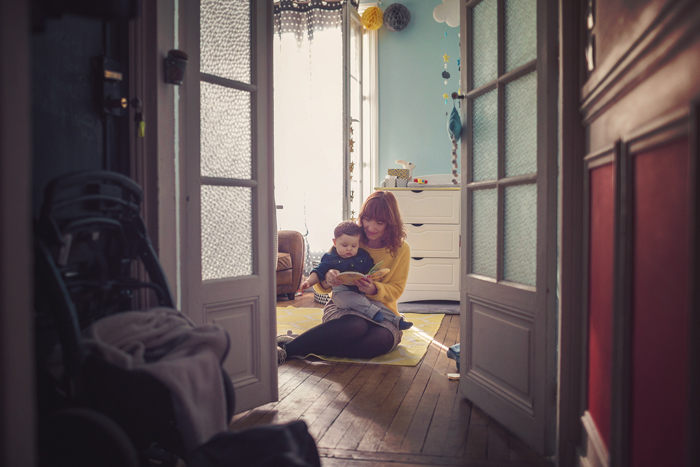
(308,100)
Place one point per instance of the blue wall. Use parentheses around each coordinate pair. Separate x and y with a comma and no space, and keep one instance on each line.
(412,120)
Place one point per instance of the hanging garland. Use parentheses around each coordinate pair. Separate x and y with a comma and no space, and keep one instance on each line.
(454,131)
(454,123)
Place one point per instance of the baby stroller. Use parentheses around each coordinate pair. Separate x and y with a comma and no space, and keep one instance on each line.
(90,239)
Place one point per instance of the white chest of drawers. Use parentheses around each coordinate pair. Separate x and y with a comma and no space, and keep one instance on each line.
(432,220)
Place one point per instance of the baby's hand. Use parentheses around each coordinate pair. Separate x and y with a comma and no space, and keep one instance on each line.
(330,277)
(304,285)
(366,286)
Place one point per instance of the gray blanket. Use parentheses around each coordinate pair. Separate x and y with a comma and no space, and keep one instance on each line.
(187,359)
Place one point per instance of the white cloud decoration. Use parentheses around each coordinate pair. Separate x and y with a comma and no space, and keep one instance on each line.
(448,11)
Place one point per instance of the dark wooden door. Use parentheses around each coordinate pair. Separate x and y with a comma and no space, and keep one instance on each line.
(79,73)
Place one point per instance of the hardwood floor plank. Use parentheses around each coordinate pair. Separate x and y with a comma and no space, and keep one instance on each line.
(293,368)
(365,414)
(261,415)
(288,365)
(335,383)
(436,436)
(396,432)
(334,457)
(237,417)
(478,417)
(477,436)
(477,443)
(325,419)
(379,424)
(295,380)
(425,418)
(521,452)
(458,431)
(497,442)
(399,426)
(252,417)
(357,407)
(294,404)
(415,435)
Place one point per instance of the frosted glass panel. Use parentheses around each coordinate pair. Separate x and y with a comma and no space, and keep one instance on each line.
(521,32)
(227,232)
(520,234)
(521,126)
(225,132)
(484,43)
(484,223)
(485,137)
(225,38)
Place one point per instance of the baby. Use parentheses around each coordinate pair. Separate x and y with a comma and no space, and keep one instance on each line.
(346,255)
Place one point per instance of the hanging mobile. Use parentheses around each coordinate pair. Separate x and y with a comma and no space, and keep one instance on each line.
(454,131)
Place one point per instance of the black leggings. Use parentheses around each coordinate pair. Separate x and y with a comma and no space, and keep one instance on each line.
(348,336)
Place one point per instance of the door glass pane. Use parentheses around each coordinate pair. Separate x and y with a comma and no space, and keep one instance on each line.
(520,234)
(225,132)
(225,38)
(484,223)
(521,32)
(227,232)
(521,126)
(485,137)
(484,43)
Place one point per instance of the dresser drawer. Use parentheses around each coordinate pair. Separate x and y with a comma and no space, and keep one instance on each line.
(433,274)
(429,207)
(433,240)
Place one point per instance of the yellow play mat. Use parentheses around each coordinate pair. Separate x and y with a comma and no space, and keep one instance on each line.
(414,343)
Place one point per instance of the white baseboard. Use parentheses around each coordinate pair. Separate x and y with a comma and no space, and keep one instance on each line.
(592,451)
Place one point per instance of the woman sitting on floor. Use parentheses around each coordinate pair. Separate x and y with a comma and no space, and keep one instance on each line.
(348,333)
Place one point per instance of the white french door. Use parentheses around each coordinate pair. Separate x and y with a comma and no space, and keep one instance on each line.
(509,149)
(229,241)
(356,185)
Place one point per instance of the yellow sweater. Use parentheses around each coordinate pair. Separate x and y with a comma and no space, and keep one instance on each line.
(391,286)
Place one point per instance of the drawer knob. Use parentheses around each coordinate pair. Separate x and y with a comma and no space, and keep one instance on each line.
(417,259)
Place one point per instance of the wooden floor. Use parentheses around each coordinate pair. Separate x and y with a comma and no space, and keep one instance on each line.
(364,415)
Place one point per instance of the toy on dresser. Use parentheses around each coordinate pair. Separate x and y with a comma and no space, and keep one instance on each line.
(399,177)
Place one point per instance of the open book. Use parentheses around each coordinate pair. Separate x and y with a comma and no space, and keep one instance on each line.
(376,274)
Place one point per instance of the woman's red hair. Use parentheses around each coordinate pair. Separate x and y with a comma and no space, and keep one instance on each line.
(382,206)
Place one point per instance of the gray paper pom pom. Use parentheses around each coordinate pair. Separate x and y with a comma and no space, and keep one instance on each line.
(396,17)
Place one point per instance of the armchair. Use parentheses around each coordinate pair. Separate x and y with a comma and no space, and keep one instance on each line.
(290,262)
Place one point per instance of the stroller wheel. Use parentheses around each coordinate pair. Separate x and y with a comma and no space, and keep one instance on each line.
(81,438)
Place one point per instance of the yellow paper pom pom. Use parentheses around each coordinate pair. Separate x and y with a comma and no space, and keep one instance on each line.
(372,18)
(446,96)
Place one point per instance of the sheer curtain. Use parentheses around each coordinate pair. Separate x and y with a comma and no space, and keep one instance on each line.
(308,100)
